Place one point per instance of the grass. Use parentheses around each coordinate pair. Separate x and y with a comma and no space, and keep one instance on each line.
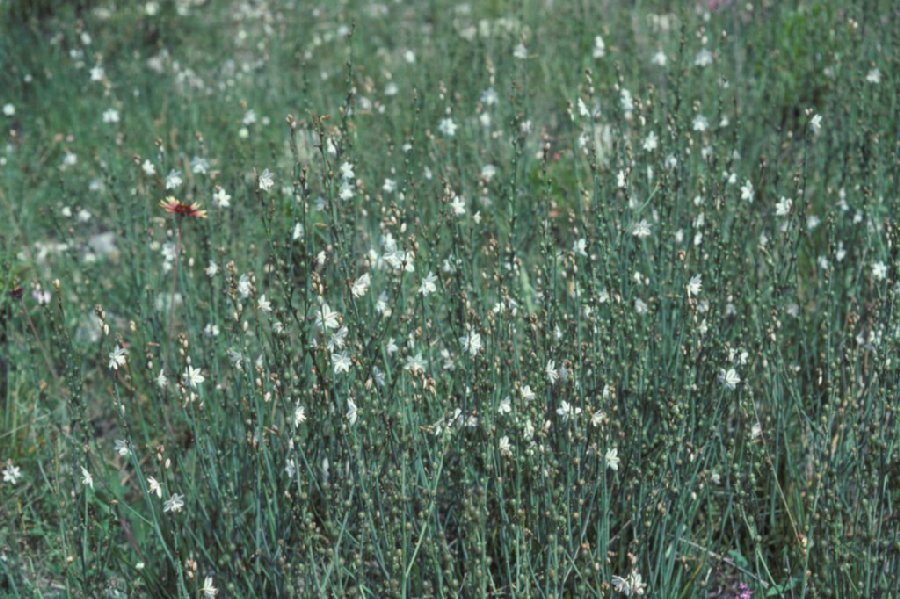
(464,318)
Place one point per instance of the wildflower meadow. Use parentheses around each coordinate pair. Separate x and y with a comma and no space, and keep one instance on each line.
(479,298)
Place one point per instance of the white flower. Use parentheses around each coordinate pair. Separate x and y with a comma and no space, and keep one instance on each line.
(208,590)
(879,270)
(505,448)
(264,304)
(651,142)
(582,108)
(235,356)
(812,221)
(361,285)
(299,415)
(111,116)
(738,355)
(637,585)
(620,180)
(489,96)
(873,76)
(447,127)
(528,430)
(747,191)
(471,341)
(244,286)
(505,406)
(641,230)
(326,318)
(347,170)
(199,166)
(266,181)
(391,346)
(86,478)
(221,199)
(378,375)
(527,393)
(9,109)
(566,410)
(660,59)
(70,159)
(580,247)
(640,306)
(174,503)
(612,458)
(154,485)
(700,123)
(415,363)
(351,412)
(173,180)
(599,47)
(346,192)
(783,207)
(551,371)
(429,284)
(520,51)
(695,285)
(458,205)
(122,447)
(633,585)
(117,357)
(816,123)
(193,377)
(342,362)
(11,474)
(148,168)
(730,378)
(337,339)
(704,58)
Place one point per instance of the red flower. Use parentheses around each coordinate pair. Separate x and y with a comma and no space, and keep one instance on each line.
(172,205)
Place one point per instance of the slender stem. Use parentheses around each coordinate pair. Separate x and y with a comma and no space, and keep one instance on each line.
(4,362)
(174,287)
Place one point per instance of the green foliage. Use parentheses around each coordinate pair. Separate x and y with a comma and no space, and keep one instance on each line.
(537,321)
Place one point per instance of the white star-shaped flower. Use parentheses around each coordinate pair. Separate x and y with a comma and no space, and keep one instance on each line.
(194,377)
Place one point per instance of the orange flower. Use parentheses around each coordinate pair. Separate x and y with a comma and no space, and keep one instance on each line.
(172,205)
